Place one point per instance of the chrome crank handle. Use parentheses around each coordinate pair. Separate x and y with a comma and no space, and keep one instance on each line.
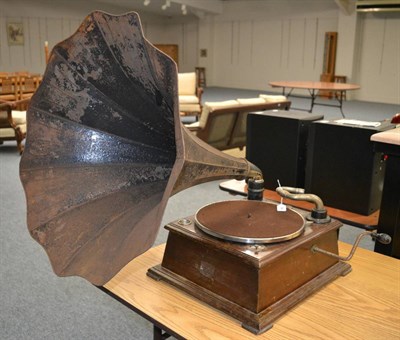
(380,237)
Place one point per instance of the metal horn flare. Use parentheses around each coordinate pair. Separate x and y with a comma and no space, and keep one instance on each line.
(105,149)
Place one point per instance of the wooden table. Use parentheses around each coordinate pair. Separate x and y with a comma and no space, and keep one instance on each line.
(365,304)
(366,222)
(314,87)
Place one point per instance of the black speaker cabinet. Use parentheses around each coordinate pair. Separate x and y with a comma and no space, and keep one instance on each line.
(342,167)
(276,143)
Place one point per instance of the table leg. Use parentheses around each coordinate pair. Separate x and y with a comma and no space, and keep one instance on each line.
(342,93)
(158,333)
(312,94)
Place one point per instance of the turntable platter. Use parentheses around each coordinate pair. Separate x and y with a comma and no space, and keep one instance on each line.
(247,221)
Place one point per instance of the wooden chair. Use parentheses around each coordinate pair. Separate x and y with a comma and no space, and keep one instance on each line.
(13,123)
(9,89)
(27,87)
(340,79)
(201,76)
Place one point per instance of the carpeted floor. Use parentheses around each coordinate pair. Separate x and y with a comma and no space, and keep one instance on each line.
(36,304)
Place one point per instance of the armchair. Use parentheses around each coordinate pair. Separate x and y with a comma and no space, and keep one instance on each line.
(189,94)
(223,124)
(13,123)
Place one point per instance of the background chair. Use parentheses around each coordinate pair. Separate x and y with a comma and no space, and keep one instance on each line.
(9,88)
(223,124)
(27,87)
(340,79)
(13,123)
(189,94)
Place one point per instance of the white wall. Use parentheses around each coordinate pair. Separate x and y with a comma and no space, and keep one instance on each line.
(255,42)
(54,22)
(249,54)
(347,45)
(251,43)
(377,63)
(269,41)
(185,35)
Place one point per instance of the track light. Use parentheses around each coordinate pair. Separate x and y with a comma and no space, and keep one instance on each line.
(184,10)
(146,2)
(166,5)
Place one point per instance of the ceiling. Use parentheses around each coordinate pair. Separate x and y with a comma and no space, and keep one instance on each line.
(160,7)
(201,8)
(197,8)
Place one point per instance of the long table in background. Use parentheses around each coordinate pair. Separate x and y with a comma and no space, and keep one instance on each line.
(314,87)
(364,304)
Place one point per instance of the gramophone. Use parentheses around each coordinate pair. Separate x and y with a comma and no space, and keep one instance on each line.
(105,149)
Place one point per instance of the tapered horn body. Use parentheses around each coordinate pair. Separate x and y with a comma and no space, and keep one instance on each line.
(105,149)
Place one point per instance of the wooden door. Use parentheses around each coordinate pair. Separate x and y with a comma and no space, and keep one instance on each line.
(170,50)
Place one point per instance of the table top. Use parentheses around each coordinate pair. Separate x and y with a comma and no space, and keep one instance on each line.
(348,217)
(389,136)
(365,304)
(317,85)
